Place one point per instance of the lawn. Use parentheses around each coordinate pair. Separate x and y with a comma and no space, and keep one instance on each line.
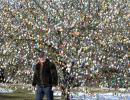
(19,94)
(26,94)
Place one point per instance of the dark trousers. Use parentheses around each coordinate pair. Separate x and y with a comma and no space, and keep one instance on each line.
(44,90)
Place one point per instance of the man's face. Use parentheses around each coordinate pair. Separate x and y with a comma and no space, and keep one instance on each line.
(42,59)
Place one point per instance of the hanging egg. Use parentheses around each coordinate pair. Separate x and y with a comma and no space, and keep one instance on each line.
(75,33)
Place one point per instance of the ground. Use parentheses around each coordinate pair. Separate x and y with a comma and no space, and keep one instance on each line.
(26,94)
(19,94)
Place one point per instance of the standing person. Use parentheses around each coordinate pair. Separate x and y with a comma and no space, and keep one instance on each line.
(45,76)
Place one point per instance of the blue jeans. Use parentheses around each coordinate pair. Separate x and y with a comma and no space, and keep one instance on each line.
(44,90)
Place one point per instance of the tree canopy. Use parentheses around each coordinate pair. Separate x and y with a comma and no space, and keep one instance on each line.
(85,35)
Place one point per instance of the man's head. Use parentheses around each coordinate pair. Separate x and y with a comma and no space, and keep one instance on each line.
(42,57)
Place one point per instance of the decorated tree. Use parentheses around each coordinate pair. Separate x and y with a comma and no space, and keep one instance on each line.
(87,39)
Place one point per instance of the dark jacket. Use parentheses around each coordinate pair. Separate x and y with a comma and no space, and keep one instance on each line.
(49,74)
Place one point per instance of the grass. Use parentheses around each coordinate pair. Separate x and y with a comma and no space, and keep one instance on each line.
(25,94)
(19,94)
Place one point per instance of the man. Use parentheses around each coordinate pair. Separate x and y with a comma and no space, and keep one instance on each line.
(45,76)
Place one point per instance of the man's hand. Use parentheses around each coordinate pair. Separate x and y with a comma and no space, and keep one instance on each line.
(53,88)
